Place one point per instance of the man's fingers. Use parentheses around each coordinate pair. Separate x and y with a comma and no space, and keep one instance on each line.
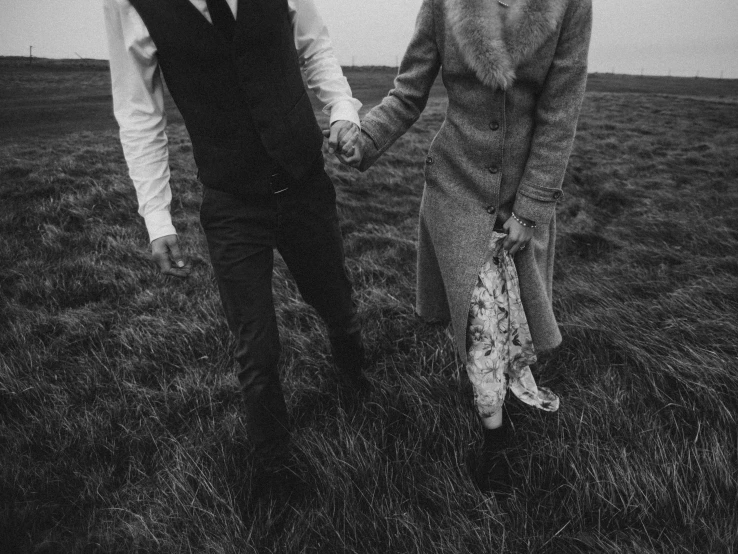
(166,253)
(167,268)
(176,255)
(342,136)
(162,260)
(333,139)
(178,272)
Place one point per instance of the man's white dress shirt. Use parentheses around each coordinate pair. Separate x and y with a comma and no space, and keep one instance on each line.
(138,99)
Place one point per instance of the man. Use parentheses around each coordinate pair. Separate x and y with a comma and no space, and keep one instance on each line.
(234,68)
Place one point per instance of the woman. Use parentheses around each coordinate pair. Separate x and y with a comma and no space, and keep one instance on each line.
(515,72)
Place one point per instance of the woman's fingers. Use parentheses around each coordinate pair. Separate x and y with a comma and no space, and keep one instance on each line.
(508,243)
(355,158)
(513,247)
(349,142)
(356,153)
(517,238)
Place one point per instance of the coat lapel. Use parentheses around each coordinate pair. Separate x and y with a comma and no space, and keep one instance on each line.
(493,43)
(530,24)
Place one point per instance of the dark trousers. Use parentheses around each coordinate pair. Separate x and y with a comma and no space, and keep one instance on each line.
(242,231)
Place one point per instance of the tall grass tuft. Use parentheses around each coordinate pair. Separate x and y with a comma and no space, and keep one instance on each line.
(121,429)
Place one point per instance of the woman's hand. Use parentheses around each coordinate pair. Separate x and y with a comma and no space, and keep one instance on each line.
(518,236)
(342,137)
(346,142)
(354,157)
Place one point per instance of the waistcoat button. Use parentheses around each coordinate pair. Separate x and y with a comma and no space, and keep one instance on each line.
(494,125)
(493,169)
(491,210)
(558,194)
(429,160)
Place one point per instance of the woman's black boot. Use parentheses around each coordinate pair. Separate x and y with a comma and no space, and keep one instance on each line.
(492,467)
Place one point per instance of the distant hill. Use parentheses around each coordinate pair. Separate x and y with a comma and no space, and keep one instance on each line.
(648,84)
(598,82)
(50,96)
(54,64)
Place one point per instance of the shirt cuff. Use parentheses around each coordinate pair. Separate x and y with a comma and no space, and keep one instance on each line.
(159,224)
(346,110)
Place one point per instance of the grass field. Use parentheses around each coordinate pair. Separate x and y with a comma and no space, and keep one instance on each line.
(121,429)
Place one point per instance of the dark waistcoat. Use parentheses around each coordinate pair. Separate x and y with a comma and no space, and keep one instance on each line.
(243,101)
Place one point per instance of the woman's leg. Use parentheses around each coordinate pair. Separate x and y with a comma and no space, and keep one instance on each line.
(491,469)
(486,349)
(499,345)
(493,422)
(499,353)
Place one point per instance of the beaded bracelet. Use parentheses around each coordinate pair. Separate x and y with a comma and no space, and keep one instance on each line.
(529,225)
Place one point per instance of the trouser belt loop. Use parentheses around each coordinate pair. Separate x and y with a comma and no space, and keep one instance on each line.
(278,183)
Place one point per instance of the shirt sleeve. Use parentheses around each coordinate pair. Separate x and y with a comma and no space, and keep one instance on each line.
(319,64)
(138,104)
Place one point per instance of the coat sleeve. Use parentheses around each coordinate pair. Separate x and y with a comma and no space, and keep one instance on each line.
(557,111)
(402,107)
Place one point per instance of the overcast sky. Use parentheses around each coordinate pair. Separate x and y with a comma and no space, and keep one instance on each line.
(681,37)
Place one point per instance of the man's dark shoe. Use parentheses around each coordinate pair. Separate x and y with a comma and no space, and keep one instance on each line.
(349,356)
(491,468)
(277,474)
(281,484)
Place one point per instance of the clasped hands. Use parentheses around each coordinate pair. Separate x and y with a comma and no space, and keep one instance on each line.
(346,142)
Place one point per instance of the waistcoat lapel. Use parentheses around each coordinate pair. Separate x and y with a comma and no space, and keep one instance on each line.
(241,16)
(494,40)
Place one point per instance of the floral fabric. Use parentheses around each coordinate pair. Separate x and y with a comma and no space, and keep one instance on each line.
(500,348)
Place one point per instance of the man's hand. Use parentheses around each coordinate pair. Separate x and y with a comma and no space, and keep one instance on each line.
(165,251)
(342,137)
(518,236)
(355,158)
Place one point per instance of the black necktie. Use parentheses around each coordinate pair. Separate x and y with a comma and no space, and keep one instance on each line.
(222,17)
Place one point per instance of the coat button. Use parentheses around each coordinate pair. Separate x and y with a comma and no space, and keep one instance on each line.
(494,125)
(558,195)
(491,210)
(493,169)
(429,160)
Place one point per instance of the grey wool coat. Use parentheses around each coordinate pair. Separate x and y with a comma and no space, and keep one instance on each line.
(515,79)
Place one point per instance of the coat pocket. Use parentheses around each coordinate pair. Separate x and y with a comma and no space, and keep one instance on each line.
(431,160)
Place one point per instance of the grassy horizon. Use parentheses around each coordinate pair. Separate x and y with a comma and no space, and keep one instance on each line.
(121,429)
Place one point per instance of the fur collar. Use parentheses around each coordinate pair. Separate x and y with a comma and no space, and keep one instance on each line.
(493,43)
